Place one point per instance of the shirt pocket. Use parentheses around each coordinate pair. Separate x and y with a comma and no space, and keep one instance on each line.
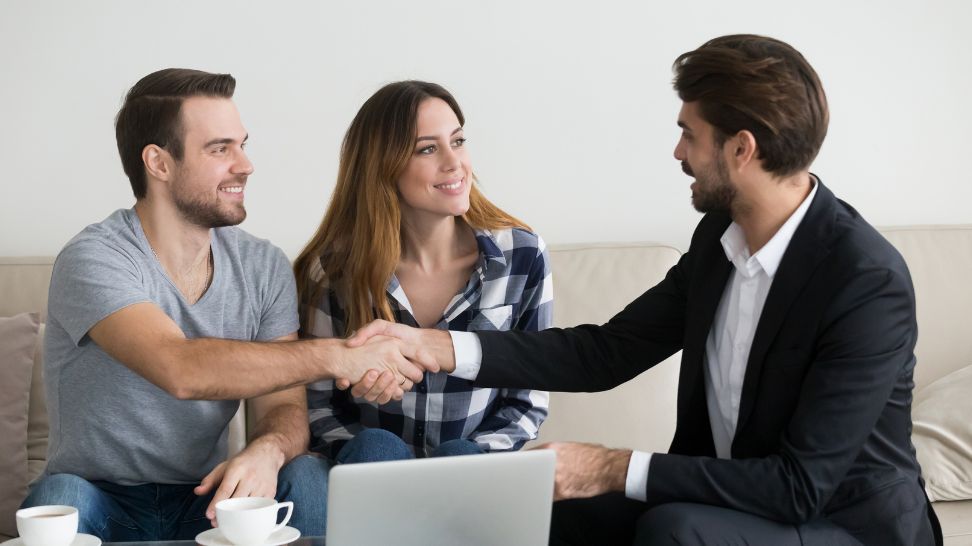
(493,319)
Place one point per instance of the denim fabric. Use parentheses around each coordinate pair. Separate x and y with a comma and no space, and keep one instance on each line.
(119,513)
(375,444)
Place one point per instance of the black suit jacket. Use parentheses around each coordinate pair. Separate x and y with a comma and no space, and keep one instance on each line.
(824,428)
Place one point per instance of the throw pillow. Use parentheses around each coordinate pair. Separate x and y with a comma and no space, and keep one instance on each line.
(18,336)
(943,436)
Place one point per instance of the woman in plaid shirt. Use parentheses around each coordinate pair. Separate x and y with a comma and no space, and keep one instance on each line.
(409,238)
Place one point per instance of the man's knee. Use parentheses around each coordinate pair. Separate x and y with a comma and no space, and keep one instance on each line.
(66,489)
(675,523)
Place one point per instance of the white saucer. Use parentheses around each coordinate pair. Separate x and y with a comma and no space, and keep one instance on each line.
(214,537)
(80,540)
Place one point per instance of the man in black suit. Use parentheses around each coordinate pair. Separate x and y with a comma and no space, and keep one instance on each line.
(797,324)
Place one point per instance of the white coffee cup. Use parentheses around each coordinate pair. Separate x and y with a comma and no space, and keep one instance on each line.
(53,525)
(250,520)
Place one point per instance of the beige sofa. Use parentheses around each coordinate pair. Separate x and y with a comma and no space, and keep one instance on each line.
(594,281)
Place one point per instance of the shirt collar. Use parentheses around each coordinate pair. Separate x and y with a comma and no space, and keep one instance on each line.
(489,250)
(769,257)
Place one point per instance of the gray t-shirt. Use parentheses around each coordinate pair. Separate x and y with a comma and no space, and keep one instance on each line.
(109,423)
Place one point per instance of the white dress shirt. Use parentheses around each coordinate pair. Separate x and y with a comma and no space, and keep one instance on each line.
(726,348)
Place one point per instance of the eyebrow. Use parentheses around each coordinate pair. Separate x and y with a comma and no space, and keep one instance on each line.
(216,141)
(421,138)
(684,125)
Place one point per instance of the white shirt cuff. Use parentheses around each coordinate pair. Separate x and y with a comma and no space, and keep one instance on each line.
(468,352)
(636,483)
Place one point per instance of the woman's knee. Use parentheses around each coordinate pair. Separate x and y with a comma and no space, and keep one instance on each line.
(372,445)
(459,446)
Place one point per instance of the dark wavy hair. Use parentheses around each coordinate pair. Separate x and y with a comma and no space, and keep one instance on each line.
(761,85)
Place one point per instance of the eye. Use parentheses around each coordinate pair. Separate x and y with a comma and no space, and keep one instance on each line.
(459,142)
(219,149)
(428,150)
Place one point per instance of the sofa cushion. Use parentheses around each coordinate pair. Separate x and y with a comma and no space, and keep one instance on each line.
(37,424)
(943,436)
(18,340)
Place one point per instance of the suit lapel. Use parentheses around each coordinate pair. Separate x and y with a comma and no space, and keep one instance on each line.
(806,250)
(708,282)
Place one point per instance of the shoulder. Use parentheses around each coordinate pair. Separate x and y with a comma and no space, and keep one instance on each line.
(857,245)
(520,251)
(250,248)
(512,239)
(111,242)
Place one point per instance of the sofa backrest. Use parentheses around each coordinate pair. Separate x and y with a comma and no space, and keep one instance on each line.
(940,261)
(592,282)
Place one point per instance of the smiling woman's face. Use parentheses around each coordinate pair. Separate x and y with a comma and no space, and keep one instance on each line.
(438,175)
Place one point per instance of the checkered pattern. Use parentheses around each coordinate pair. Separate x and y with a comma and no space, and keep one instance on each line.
(510,289)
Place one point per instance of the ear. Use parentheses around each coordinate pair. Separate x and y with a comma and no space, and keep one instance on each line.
(158,162)
(742,150)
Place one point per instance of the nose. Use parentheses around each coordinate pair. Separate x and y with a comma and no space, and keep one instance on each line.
(450,160)
(680,150)
(242,165)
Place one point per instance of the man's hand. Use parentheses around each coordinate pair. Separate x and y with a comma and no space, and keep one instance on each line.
(436,344)
(587,470)
(251,473)
(387,365)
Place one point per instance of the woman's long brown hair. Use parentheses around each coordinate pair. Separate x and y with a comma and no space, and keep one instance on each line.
(358,245)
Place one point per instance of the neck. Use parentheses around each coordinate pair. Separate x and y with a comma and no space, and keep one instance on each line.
(767,204)
(178,244)
(435,243)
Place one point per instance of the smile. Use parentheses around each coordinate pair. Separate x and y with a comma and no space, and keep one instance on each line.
(232,189)
(450,185)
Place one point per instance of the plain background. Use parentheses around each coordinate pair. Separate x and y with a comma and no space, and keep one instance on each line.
(569,107)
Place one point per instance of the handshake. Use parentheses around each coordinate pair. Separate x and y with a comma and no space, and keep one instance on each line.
(383,359)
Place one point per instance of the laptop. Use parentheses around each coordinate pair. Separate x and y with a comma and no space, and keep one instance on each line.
(472,500)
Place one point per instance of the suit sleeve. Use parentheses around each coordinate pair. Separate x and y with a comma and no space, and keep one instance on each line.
(865,344)
(592,358)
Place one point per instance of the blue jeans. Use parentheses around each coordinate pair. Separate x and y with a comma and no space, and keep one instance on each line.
(117,513)
(375,444)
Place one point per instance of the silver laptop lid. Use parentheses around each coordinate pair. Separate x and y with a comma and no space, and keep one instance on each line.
(472,500)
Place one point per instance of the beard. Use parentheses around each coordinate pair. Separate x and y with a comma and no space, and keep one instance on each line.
(713,191)
(206,212)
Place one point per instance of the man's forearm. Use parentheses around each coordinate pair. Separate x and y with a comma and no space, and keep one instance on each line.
(218,369)
(283,430)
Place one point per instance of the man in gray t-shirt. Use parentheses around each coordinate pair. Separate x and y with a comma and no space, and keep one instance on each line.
(164,316)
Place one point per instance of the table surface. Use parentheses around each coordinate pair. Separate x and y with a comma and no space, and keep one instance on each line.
(302,541)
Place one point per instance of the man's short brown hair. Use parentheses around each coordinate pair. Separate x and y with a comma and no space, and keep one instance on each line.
(761,85)
(150,115)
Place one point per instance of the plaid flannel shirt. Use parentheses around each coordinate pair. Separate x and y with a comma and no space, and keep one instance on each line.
(510,289)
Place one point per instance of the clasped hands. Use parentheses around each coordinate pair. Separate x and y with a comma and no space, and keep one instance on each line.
(583,470)
(385,359)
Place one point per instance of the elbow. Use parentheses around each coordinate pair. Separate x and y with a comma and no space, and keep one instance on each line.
(173,379)
(179,388)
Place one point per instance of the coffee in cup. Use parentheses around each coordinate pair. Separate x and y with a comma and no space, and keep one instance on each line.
(249,521)
(52,525)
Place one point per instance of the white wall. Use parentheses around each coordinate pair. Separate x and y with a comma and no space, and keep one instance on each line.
(569,107)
